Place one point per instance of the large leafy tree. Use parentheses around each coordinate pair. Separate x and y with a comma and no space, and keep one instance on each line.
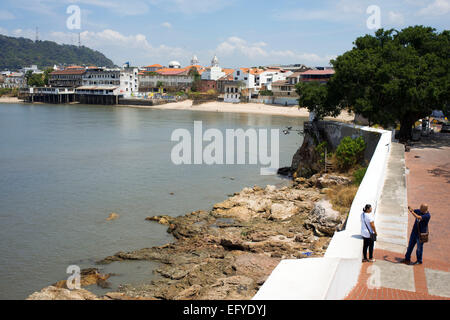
(393,77)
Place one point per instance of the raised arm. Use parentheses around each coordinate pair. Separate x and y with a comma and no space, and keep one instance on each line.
(414,214)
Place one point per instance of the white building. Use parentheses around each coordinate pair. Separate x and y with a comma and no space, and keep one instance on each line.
(129,82)
(101,77)
(232,93)
(214,72)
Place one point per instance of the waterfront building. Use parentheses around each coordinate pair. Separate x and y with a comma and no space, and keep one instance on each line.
(232,92)
(129,81)
(70,77)
(284,90)
(99,76)
(171,79)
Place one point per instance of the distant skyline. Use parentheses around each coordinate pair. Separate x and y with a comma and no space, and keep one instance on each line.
(239,32)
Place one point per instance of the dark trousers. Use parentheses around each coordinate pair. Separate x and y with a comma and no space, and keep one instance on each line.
(413,240)
(368,244)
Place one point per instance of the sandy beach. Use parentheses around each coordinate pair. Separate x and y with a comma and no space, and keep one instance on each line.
(242,108)
(216,106)
(10,100)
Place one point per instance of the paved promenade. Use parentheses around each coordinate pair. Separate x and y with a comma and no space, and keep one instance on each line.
(427,168)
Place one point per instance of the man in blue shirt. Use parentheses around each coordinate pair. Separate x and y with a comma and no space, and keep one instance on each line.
(422,218)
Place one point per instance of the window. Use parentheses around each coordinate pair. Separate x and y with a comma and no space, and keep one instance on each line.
(238,73)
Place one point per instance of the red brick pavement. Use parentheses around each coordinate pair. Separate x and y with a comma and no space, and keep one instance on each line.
(428,182)
(362,292)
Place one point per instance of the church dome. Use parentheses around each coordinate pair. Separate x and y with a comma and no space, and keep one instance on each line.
(215,62)
(174,64)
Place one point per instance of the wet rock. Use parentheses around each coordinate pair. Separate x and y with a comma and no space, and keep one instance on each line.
(112,216)
(165,220)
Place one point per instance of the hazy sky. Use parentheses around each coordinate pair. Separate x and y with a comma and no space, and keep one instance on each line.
(240,32)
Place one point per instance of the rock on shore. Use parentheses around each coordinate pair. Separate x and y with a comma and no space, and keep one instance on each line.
(228,252)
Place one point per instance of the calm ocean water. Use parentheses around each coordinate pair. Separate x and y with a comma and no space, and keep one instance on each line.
(64,169)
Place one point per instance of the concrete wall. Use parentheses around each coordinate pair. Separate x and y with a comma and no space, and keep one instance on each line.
(334,275)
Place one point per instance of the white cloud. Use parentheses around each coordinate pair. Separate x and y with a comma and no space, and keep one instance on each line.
(258,52)
(396,18)
(167,25)
(120,47)
(436,8)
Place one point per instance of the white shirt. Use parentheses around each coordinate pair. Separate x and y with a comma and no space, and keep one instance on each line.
(366,219)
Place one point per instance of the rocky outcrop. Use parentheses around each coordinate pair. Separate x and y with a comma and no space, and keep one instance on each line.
(305,162)
(229,251)
(323,220)
(54,293)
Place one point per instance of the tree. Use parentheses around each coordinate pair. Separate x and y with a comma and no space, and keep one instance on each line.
(193,72)
(393,77)
(315,96)
(35,79)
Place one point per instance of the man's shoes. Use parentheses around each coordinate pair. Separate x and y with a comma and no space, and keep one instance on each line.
(408,262)
(365,260)
(418,262)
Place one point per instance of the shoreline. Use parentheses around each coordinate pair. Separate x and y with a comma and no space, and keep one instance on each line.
(253,108)
(227,252)
(216,106)
(10,100)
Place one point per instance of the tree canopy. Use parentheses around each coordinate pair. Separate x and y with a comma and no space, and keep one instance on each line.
(392,77)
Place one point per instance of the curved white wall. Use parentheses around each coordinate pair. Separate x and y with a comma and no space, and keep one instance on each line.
(334,275)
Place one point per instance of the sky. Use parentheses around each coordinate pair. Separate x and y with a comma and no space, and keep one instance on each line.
(240,32)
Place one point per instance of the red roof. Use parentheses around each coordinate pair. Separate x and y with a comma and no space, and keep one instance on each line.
(69,71)
(154,66)
(318,72)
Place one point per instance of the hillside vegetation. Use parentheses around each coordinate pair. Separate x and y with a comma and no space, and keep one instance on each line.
(16,53)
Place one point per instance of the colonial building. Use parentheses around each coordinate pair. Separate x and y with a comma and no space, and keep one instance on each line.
(169,78)
(101,77)
(70,77)
(129,84)
(284,90)
(214,72)
(232,92)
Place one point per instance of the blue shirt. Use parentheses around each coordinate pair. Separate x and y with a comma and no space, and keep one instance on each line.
(423,223)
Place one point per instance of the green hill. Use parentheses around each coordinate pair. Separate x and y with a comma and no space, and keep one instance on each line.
(16,53)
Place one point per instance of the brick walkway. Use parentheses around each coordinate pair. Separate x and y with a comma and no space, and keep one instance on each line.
(362,291)
(428,181)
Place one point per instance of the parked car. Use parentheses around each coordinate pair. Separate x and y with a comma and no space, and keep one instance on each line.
(445,127)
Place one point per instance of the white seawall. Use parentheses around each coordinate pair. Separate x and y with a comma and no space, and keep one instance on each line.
(334,275)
